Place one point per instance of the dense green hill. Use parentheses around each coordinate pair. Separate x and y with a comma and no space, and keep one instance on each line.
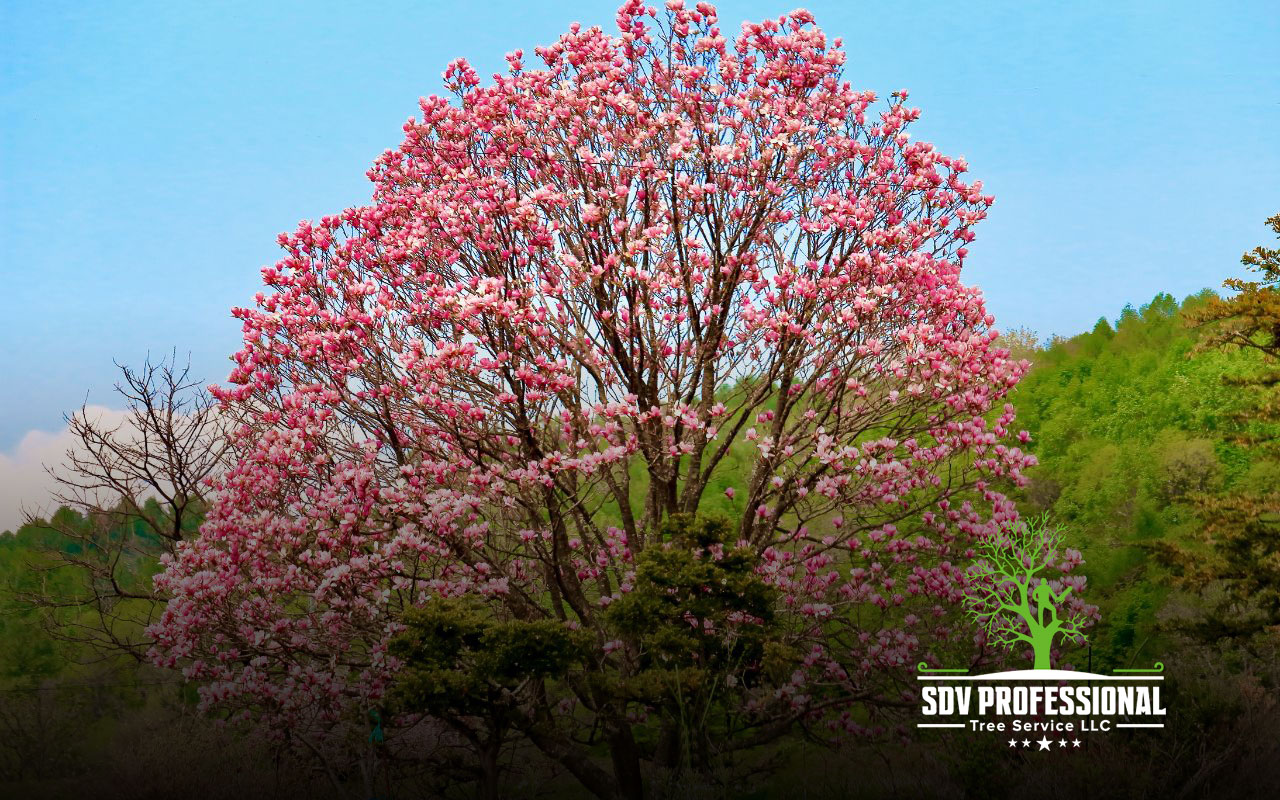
(1129,423)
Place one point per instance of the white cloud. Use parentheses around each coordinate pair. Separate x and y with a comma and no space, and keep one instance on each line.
(25,486)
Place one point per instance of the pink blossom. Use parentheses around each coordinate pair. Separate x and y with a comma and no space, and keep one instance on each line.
(598,266)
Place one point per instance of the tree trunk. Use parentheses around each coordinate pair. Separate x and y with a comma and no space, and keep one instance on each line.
(668,750)
(626,764)
(489,769)
(597,781)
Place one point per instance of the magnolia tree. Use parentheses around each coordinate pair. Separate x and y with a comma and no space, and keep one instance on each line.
(586,297)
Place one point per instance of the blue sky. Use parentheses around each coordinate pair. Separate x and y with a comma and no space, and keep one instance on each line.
(150,152)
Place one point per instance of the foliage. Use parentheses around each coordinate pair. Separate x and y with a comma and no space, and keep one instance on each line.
(462,661)
(1130,424)
(1022,343)
(1243,525)
(482,673)
(699,619)
(702,623)
(28,654)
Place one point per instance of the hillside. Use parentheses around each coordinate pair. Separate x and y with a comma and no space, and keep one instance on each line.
(1127,426)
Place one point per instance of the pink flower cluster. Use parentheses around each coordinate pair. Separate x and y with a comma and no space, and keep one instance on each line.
(580,293)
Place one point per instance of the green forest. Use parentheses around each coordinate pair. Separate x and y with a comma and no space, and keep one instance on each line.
(1132,427)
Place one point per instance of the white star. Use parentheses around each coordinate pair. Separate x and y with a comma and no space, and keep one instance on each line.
(1075,742)
(1013,742)
(1062,743)
(1044,742)
(1026,742)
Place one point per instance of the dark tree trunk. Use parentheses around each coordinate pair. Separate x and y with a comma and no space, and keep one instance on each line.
(626,764)
(668,750)
(560,749)
(490,772)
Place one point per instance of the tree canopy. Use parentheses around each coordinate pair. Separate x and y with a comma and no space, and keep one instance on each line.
(577,291)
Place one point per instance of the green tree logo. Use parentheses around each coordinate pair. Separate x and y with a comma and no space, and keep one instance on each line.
(1017,605)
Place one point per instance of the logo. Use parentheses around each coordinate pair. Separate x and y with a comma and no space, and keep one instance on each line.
(1023,597)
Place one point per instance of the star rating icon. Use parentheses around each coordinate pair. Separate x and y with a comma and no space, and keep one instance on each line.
(1045,743)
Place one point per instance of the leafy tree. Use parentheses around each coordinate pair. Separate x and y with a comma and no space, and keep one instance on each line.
(482,675)
(1243,525)
(702,624)
(699,619)
(28,654)
(1022,343)
(1187,467)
